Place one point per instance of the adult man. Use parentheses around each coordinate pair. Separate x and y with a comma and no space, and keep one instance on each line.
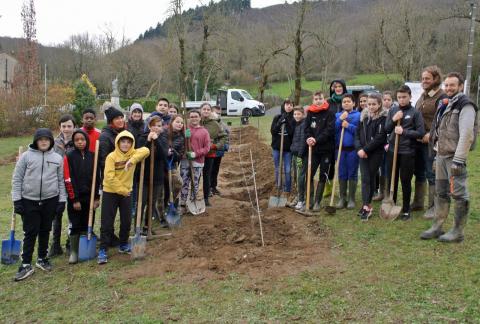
(427,105)
(452,136)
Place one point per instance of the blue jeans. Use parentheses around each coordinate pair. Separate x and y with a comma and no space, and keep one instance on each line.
(287,166)
(424,165)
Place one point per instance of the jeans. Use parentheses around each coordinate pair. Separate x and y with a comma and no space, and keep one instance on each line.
(301,166)
(287,166)
(424,165)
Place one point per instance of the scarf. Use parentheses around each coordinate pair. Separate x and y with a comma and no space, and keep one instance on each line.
(316,109)
(336,98)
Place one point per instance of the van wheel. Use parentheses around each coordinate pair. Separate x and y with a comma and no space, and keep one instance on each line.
(247,112)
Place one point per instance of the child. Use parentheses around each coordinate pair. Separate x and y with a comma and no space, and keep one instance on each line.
(387,98)
(299,151)
(370,140)
(63,145)
(162,111)
(172,110)
(78,174)
(320,134)
(38,193)
(411,128)
(362,102)
(218,138)
(117,187)
(136,126)
(348,165)
(176,151)
(115,125)
(89,118)
(196,151)
(148,139)
(217,113)
(284,118)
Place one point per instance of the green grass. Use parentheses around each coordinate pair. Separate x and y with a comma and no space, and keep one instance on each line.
(284,89)
(375,79)
(9,145)
(384,273)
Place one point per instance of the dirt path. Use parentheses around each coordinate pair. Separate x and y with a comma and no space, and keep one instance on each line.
(226,238)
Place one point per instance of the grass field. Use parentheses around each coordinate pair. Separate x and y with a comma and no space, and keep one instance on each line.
(384,274)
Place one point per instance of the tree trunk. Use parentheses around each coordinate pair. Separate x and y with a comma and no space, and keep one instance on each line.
(299,52)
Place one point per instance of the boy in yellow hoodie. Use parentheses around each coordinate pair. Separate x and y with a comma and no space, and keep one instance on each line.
(117,187)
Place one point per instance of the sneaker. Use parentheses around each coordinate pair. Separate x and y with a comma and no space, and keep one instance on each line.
(44,264)
(124,248)
(25,271)
(405,216)
(215,191)
(102,256)
(360,212)
(367,212)
(300,205)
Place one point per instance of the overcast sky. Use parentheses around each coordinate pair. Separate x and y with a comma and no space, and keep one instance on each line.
(58,19)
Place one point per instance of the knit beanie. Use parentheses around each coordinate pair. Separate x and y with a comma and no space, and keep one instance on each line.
(112,112)
(136,106)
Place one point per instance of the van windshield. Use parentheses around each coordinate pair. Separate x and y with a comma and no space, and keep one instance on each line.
(246,95)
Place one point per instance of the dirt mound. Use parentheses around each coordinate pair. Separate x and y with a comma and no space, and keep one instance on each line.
(227,238)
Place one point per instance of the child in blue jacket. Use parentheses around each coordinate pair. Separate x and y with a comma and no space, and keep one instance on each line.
(348,166)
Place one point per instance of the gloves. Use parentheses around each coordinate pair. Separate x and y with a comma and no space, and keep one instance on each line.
(458,169)
(18,207)
(188,133)
(282,120)
(190,155)
(60,208)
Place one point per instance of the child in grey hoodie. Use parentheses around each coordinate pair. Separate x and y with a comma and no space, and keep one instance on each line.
(38,193)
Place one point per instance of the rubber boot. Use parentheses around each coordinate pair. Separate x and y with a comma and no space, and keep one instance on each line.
(328,190)
(442,207)
(419,197)
(55,247)
(461,215)
(342,203)
(73,249)
(318,196)
(352,189)
(381,192)
(430,213)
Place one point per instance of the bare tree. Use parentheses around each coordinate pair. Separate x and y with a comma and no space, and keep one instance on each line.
(176,11)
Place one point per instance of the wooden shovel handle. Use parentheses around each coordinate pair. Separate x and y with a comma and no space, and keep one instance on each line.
(140,195)
(94,182)
(150,189)
(394,164)
(309,174)
(337,163)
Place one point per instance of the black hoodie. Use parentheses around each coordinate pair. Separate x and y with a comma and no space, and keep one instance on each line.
(276,129)
(78,171)
(159,160)
(336,107)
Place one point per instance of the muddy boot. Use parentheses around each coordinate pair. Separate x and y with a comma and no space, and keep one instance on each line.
(461,215)
(293,202)
(73,249)
(419,197)
(328,189)
(352,189)
(430,213)
(442,207)
(55,247)
(318,196)
(342,202)
(381,192)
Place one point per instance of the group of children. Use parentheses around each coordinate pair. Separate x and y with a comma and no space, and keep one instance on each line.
(366,135)
(58,173)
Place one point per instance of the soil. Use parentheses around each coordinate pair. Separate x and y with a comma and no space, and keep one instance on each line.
(226,239)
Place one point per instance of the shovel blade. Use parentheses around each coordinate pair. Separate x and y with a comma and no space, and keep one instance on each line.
(11,250)
(138,244)
(196,207)
(388,210)
(173,218)
(87,248)
(277,202)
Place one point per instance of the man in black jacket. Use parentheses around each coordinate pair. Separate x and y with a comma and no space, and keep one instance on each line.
(410,129)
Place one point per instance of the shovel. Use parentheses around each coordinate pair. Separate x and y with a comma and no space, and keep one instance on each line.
(11,247)
(331,208)
(173,219)
(388,210)
(138,242)
(278,200)
(87,243)
(307,211)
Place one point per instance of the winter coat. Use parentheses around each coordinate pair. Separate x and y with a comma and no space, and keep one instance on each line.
(336,106)
(159,160)
(38,175)
(107,145)
(321,126)
(177,144)
(136,127)
(276,130)
(218,136)
(116,179)
(165,119)
(353,120)
(299,144)
(61,146)
(427,105)
(370,135)
(221,150)
(93,135)
(413,129)
(78,172)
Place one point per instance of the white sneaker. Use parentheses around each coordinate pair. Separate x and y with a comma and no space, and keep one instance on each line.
(300,205)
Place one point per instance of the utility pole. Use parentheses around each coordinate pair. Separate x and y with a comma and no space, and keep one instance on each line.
(45,83)
(473,16)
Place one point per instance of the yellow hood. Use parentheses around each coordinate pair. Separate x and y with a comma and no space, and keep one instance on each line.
(131,151)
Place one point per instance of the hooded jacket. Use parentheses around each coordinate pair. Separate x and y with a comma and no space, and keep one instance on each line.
(299,145)
(321,126)
(370,135)
(413,129)
(136,127)
(61,146)
(165,119)
(159,160)
(78,171)
(218,136)
(221,150)
(177,144)
(38,175)
(116,179)
(353,120)
(276,129)
(336,106)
